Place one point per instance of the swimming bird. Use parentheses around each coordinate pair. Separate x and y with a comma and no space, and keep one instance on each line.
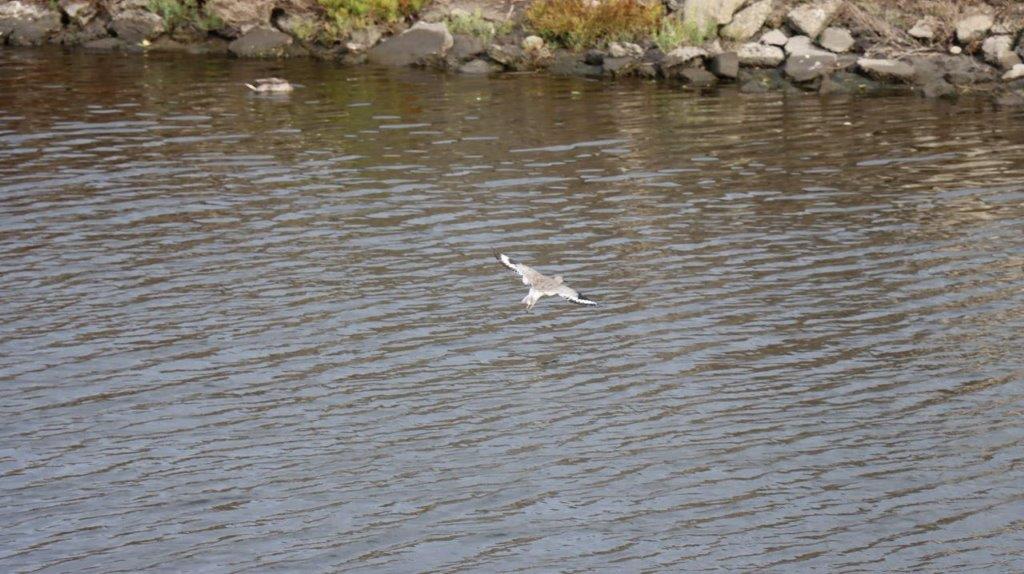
(270,85)
(541,285)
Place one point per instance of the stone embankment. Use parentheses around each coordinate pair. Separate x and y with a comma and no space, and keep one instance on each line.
(824,46)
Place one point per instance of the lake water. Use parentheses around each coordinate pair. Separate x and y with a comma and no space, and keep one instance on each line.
(242,333)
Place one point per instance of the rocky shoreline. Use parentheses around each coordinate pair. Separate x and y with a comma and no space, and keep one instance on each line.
(823,46)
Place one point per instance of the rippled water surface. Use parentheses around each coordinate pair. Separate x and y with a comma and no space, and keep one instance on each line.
(267,334)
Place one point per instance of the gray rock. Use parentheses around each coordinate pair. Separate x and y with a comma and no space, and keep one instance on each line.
(807,67)
(709,14)
(416,46)
(725,65)
(938,89)
(848,83)
(617,67)
(802,46)
(478,67)
(812,18)
(647,70)
(508,55)
(836,40)
(698,77)
(964,70)
(532,44)
(28,24)
(80,12)
(683,55)
(886,70)
(759,81)
(973,28)
(998,51)
(625,50)
(774,38)
(1009,99)
(1014,73)
(365,38)
(568,64)
(241,16)
(134,26)
(261,43)
(760,55)
(747,22)
(466,47)
(104,45)
(924,29)
(593,57)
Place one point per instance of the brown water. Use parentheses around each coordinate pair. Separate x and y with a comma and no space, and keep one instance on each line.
(266,334)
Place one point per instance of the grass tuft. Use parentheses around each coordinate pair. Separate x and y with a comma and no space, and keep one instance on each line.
(346,15)
(474,24)
(179,13)
(582,23)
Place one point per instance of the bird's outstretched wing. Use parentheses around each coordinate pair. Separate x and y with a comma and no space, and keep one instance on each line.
(566,292)
(529,275)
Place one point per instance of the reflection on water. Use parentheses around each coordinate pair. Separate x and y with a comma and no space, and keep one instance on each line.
(245,333)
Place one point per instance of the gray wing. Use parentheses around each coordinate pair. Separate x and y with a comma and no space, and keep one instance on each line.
(575,296)
(529,275)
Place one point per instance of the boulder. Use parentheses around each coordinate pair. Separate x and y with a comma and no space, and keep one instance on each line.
(813,17)
(466,47)
(508,55)
(886,70)
(617,67)
(709,14)
(240,16)
(924,29)
(415,46)
(964,70)
(774,37)
(759,81)
(134,26)
(478,67)
(536,51)
(261,43)
(760,55)
(937,89)
(698,77)
(973,28)
(566,63)
(625,50)
(802,46)
(593,57)
(682,56)
(24,23)
(998,51)
(1014,73)
(747,21)
(725,65)
(80,12)
(836,40)
(807,67)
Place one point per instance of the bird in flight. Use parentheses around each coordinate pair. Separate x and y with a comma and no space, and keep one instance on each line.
(541,285)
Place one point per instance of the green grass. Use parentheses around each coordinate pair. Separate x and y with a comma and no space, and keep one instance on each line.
(581,24)
(472,24)
(178,13)
(345,15)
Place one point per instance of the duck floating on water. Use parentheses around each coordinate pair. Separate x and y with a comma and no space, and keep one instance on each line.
(270,85)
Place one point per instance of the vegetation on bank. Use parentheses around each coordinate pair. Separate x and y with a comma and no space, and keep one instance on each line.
(346,15)
(178,14)
(581,24)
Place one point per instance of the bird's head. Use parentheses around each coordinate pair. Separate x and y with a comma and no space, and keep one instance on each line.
(558,278)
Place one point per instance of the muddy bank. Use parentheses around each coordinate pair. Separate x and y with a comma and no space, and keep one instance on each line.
(930,48)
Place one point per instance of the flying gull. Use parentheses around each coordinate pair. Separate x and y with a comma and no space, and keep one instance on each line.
(541,285)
